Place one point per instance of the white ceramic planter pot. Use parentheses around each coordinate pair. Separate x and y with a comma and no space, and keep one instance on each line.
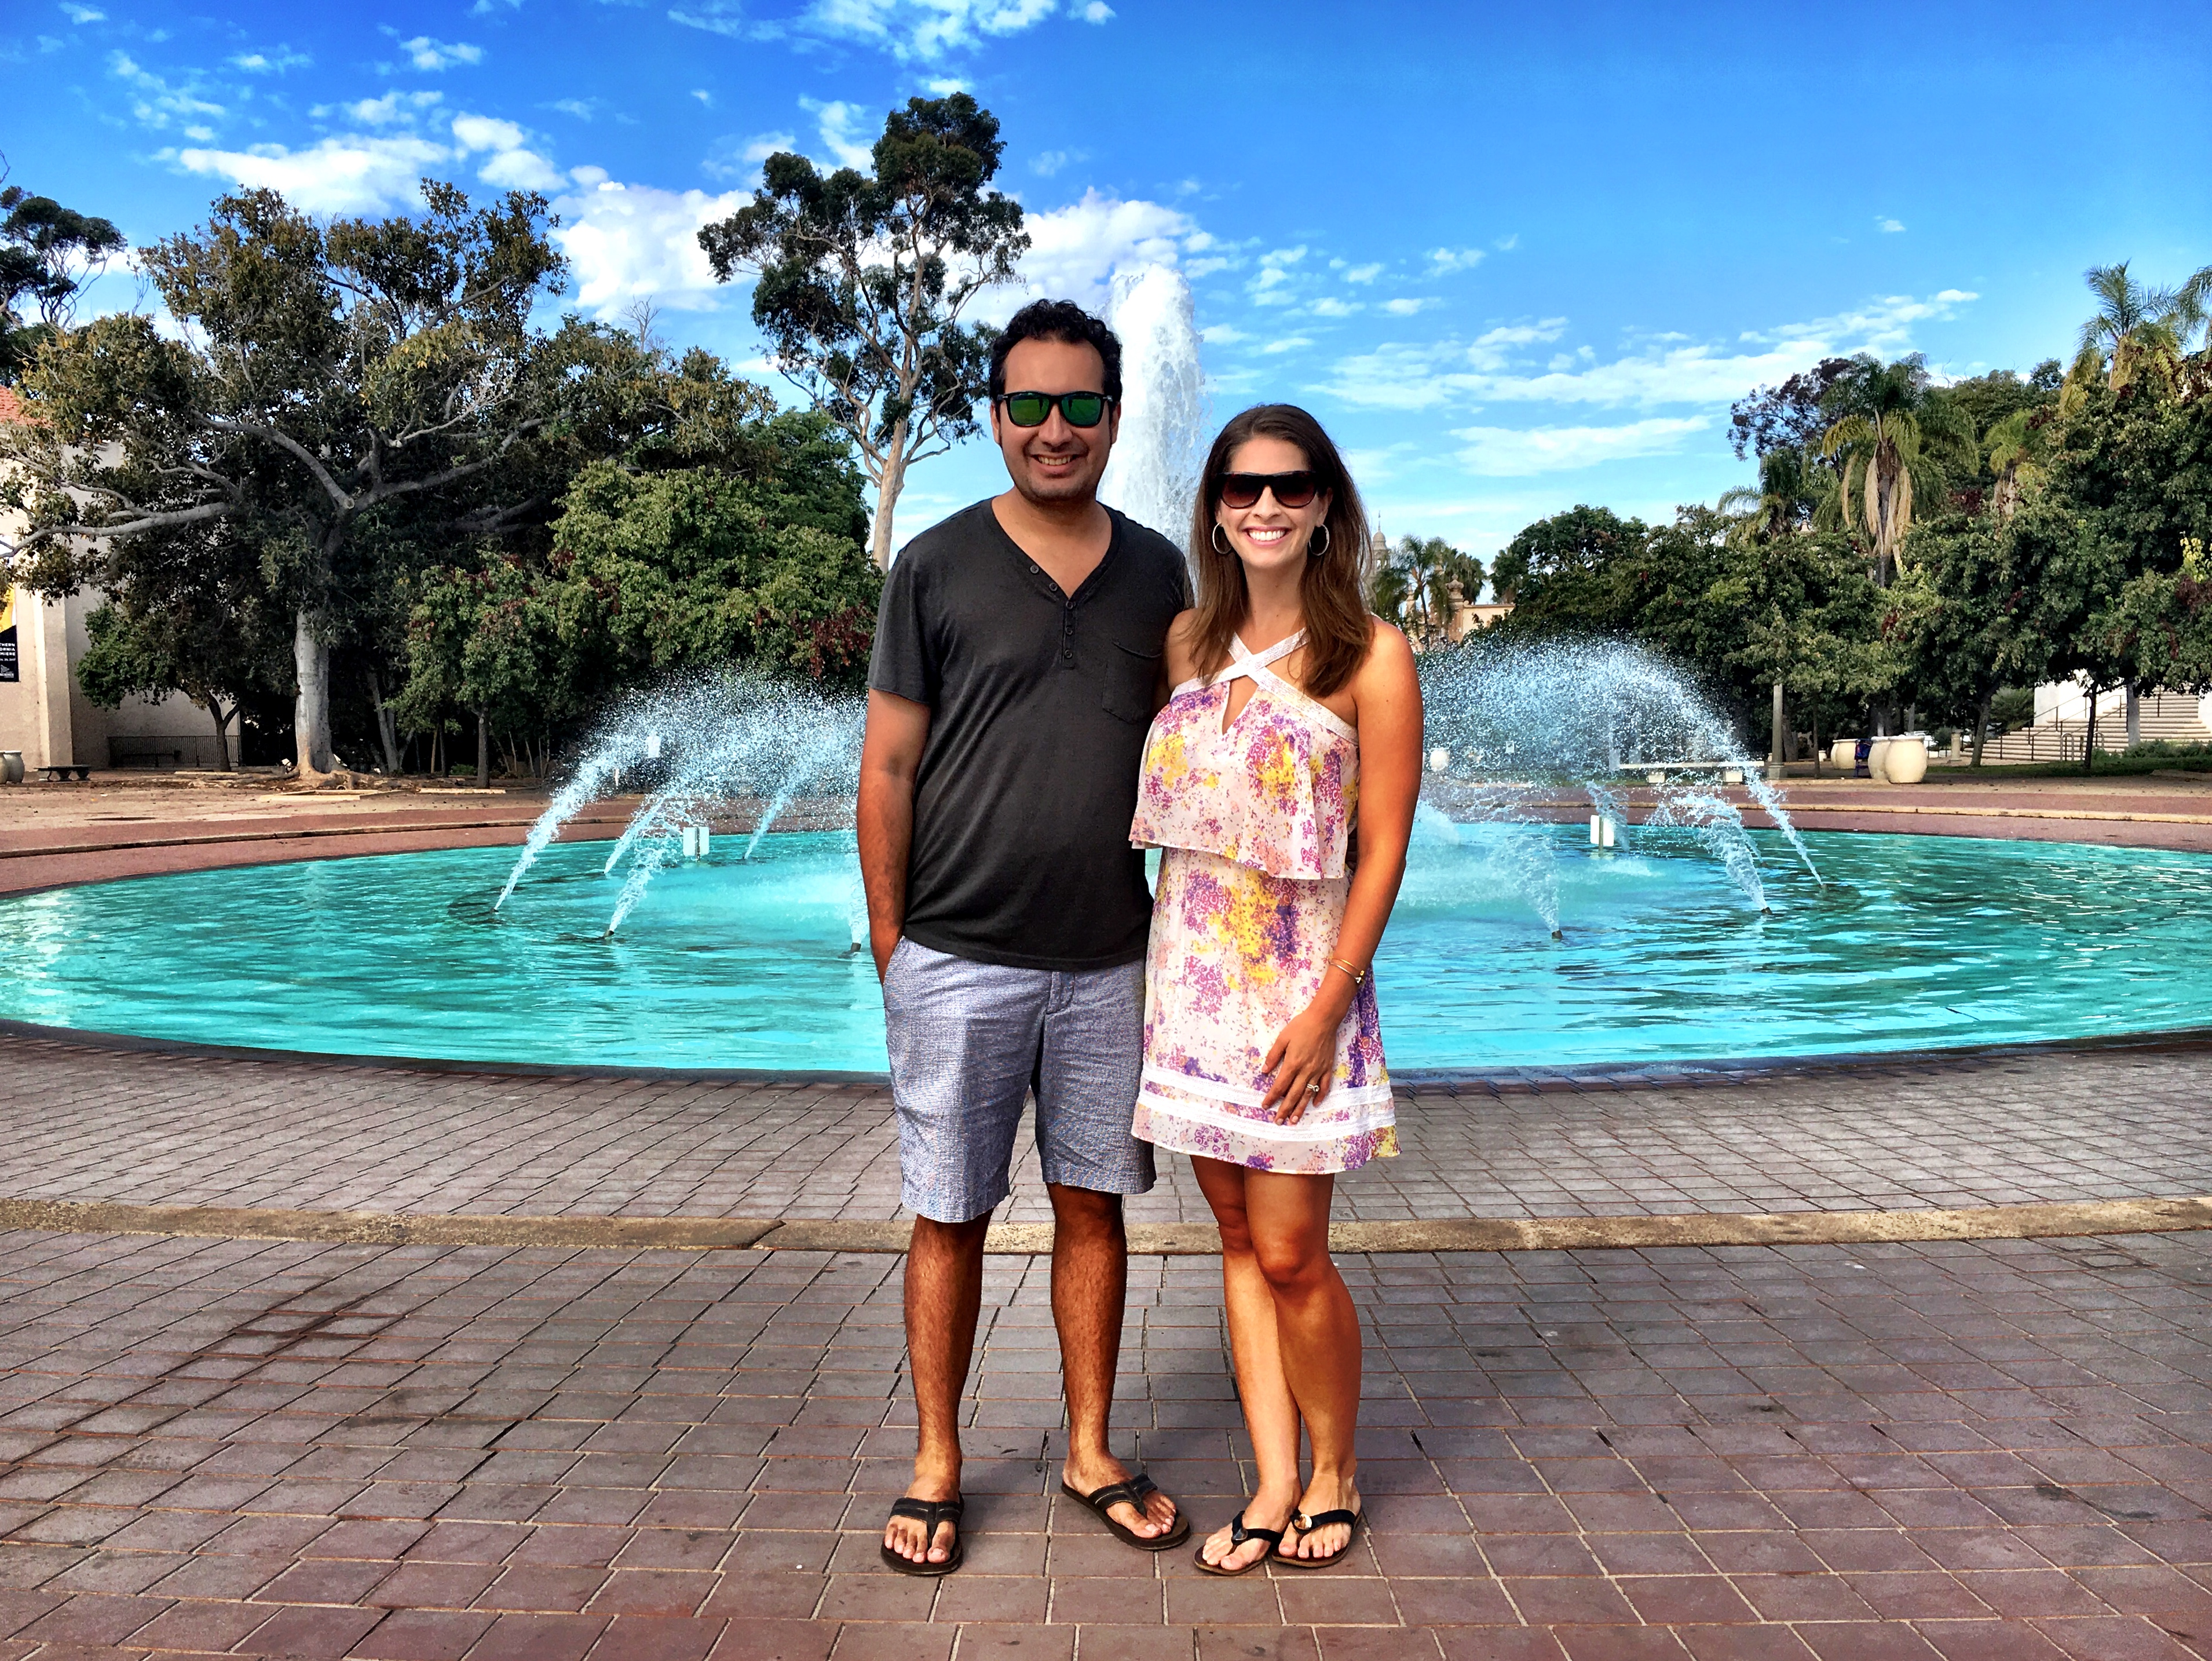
(1846,754)
(1907,761)
(1878,761)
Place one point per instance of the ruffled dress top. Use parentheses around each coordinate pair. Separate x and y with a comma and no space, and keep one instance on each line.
(1255,819)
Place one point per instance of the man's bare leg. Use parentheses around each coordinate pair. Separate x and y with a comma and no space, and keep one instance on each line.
(943,1294)
(1089,1293)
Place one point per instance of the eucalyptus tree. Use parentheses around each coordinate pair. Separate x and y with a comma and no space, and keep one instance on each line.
(48,254)
(1893,436)
(862,279)
(318,381)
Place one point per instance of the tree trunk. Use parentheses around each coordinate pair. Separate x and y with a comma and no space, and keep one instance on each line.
(483,751)
(1981,727)
(311,705)
(386,732)
(887,496)
(2135,716)
(2089,739)
(1813,721)
(221,731)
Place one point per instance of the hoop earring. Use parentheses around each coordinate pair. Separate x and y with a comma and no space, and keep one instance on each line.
(1215,541)
(1312,552)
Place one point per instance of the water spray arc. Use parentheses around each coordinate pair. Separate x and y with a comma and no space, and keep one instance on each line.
(714,748)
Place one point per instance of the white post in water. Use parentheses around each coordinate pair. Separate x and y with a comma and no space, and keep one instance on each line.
(1774,756)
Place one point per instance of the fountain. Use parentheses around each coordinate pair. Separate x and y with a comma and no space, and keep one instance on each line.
(1153,473)
(714,746)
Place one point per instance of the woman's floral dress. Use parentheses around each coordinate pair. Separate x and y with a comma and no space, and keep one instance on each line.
(1254,816)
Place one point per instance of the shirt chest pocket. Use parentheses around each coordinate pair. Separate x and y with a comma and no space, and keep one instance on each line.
(1132,679)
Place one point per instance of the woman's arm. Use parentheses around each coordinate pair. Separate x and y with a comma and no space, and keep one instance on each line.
(1386,696)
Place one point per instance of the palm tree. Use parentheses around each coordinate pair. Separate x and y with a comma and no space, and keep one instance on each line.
(1786,497)
(2135,320)
(1422,584)
(2018,446)
(1894,439)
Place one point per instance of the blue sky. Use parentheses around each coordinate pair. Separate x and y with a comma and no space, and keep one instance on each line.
(1515,257)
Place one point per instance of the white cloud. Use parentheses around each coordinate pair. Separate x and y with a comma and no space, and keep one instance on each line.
(425,53)
(160,106)
(736,159)
(1507,244)
(1443,261)
(272,63)
(722,17)
(703,96)
(1097,11)
(1288,343)
(393,106)
(339,175)
(1270,286)
(1662,370)
(84,13)
(579,107)
(513,165)
(1364,273)
(1048,163)
(945,85)
(1510,452)
(1886,224)
(628,243)
(1223,334)
(486,132)
(1075,251)
(1329,305)
(1406,305)
(844,129)
(928,30)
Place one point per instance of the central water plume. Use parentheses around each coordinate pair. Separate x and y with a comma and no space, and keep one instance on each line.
(1152,476)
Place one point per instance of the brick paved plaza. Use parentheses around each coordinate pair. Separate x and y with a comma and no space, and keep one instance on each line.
(1961,1449)
(1955,1448)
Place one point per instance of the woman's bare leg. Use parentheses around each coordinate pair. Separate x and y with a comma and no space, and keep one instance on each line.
(1270,1413)
(1317,1329)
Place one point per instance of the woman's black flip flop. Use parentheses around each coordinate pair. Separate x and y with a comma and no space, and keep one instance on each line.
(1132,1492)
(1306,1523)
(1238,1534)
(929,1514)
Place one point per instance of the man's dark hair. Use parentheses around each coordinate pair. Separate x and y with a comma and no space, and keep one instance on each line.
(1062,321)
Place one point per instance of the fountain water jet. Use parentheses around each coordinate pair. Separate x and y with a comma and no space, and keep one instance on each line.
(1152,476)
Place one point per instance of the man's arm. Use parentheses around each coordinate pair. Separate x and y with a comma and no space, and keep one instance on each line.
(891,755)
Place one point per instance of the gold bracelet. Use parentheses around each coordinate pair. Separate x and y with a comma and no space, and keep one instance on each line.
(1358,975)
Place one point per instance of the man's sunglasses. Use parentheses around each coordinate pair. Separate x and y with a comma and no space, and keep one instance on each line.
(1035,409)
(1241,490)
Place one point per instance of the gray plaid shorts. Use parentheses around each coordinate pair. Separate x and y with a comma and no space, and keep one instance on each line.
(968,1041)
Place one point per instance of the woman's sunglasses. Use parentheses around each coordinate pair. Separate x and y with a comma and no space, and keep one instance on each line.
(1241,490)
(1035,409)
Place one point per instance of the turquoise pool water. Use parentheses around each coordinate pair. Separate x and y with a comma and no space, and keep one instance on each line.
(1916,942)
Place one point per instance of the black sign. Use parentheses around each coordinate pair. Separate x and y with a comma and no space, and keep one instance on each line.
(9,670)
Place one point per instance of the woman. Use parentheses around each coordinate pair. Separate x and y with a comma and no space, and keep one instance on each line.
(1280,781)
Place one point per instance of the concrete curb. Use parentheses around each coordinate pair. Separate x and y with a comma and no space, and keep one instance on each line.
(2050,1221)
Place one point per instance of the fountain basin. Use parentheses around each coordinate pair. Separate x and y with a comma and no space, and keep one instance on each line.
(1916,943)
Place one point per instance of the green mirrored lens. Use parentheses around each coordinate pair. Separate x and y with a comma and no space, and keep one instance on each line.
(1028,409)
(1083,409)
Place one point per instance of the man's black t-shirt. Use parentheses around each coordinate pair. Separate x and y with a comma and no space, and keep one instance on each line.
(1039,702)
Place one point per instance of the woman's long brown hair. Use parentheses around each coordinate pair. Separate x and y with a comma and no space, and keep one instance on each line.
(1334,590)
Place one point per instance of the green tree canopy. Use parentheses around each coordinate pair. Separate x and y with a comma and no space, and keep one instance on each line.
(862,279)
(48,253)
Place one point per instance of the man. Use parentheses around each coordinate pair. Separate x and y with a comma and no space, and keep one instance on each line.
(1018,666)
